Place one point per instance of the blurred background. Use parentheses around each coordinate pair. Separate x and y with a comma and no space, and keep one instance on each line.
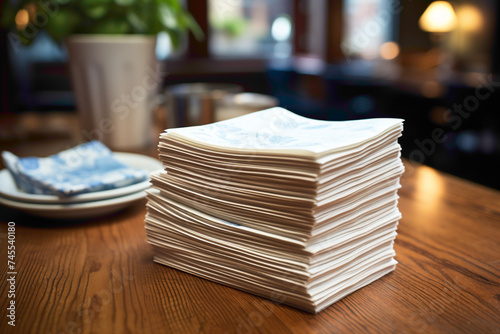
(436,65)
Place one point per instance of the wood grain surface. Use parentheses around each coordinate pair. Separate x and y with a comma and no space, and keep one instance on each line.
(98,276)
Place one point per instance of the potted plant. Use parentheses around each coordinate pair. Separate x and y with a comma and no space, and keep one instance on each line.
(111,47)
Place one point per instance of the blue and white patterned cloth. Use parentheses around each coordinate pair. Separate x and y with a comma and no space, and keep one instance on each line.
(89,167)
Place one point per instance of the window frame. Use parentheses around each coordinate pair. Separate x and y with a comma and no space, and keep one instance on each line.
(198,58)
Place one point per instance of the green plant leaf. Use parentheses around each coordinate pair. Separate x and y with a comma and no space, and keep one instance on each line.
(96,12)
(95,9)
(175,37)
(138,25)
(112,26)
(62,24)
(174,4)
(167,16)
(125,2)
(92,3)
(108,17)
(194,27)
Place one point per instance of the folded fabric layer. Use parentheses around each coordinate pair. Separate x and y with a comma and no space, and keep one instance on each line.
(89,167)
(296,210)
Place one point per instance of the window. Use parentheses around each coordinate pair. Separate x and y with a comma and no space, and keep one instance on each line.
(368,24)
(250,28)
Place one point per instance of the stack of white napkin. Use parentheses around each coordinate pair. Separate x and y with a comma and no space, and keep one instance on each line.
(297,210)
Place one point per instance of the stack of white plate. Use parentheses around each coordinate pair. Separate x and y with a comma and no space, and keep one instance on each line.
(293,209)
(87,205)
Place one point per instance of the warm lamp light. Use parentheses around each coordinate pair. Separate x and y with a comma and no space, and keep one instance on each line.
(389,50)
(22,19)
(439,17)
(470,18)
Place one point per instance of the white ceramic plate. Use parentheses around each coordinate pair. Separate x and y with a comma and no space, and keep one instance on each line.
(10,191)
(75,210)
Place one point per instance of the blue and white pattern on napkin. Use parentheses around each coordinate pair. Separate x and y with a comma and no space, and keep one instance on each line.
(280,129)
(89,167)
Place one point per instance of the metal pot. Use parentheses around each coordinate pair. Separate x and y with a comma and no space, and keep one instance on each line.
(196,103)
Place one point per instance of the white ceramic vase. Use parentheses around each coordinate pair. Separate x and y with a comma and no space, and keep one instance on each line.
(115,78)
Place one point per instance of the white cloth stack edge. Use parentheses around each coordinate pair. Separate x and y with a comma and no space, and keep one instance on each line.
(292,209)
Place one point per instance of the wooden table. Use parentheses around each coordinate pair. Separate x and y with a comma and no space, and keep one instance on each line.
(98,276)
